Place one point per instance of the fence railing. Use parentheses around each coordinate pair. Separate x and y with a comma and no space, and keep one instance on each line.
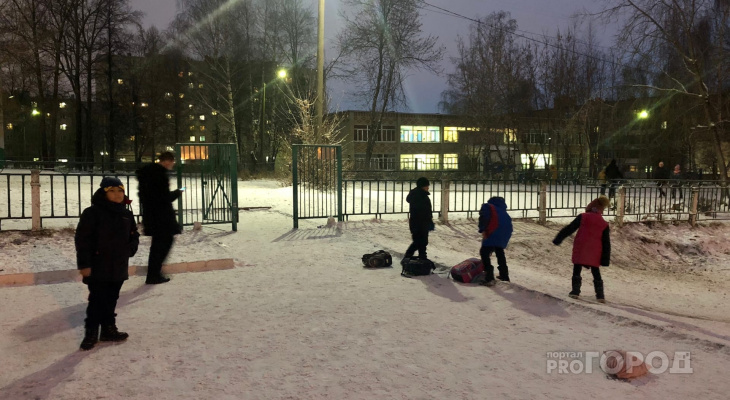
(66,195)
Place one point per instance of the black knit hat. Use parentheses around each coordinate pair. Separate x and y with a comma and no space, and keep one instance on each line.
(422,182)
(110,182)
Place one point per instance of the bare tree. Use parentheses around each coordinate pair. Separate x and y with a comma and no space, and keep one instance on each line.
(381,42)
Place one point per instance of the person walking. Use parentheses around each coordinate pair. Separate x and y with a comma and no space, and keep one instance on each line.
(661,174)
(676,178)
(106,237)
(158,216)
(591,247)
(420,220)
(613,174)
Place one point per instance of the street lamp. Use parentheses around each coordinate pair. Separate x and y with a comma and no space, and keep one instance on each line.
(262,121)
(643,114)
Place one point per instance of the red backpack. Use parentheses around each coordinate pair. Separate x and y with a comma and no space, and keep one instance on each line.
(467,270)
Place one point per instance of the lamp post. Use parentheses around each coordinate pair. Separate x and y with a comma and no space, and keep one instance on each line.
(281,74)
(319,104)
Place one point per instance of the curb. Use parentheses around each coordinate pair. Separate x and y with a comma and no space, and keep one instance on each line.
(72,275)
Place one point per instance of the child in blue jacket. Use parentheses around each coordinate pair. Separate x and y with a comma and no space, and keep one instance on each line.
(495,225)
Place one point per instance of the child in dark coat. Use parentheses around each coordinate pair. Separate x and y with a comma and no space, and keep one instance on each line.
(421,218)
(592,245)
(106,238)
(495,225)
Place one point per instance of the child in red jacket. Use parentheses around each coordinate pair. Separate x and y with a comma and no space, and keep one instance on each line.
(592,245)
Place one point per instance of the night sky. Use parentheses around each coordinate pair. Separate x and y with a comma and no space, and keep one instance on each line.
(424,89)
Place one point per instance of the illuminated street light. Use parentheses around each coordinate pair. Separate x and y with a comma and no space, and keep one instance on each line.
(282,73)
(35,112)
(643,114)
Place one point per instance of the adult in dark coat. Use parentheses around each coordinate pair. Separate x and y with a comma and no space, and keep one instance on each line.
(158,216)
(421,218)
(613,174)
(495,225)
(661,174)
(591,247)
(106,237)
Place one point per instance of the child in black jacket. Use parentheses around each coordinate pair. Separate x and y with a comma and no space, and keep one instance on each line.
(106,238)
(420,221)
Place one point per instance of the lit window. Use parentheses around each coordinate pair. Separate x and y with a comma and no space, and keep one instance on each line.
(200,86)
(192,127)
(202,138)
(191,86)
(451,161)
(63,127)
(168,95)
(62,105)
(120,81)
(144,104)
(192,117)
(34,104)
(202,117)
(540,160)
(420,134)
(214,112)
(181,74)
(192,138)
(419,162)
(632,168)
(451,134)
(190,74)
(190,106)
(182,95)
(9,127)
(202,128)
(168,116)
(664,125)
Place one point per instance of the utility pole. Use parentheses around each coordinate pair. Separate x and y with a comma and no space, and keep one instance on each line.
(319,104)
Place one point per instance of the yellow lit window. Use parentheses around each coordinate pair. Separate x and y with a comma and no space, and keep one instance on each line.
(451,161)
(9,127)
(190,74)
(202,128)
(144,104)
(419,162)
(182,95)
(190,85)
(192,138)
(190,106)
(168,116)
(192,117)
(61,105)
(120,81)
(214,113)
(420,134)
(63,127)
(451,134)
(192,127)
(202,117)
(200,86)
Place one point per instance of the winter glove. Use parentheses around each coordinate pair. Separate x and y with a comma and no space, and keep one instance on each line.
(556,242)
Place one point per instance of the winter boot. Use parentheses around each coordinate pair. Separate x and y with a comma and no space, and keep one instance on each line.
(91,337)
(110,333)
(576,287)
(503,274)
(598,285)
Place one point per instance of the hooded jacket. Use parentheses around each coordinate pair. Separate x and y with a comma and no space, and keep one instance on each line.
(421,216)
(106,237)
(158,216)
(501,236)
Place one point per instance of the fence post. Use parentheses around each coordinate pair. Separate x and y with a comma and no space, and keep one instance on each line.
(543,202)
(445,190)
(35,199)
(695,203)
(621,207)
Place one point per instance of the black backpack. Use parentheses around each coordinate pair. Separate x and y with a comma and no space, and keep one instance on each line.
(379,259)
(416,267)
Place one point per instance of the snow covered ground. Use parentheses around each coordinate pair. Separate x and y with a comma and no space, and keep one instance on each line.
(299,318)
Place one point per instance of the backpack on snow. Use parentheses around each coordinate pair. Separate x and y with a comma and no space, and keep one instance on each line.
(468,270)
(416,267)
(379,259)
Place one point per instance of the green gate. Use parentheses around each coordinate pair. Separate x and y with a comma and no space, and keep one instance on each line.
(209,173)
(316,181)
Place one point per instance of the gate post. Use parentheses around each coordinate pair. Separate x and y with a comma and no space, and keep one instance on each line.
(233,161)
(695,203)
(543,202)
(340,217)
(179,171)
(35,199)
(621,206)
(294,181)
(445,190)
